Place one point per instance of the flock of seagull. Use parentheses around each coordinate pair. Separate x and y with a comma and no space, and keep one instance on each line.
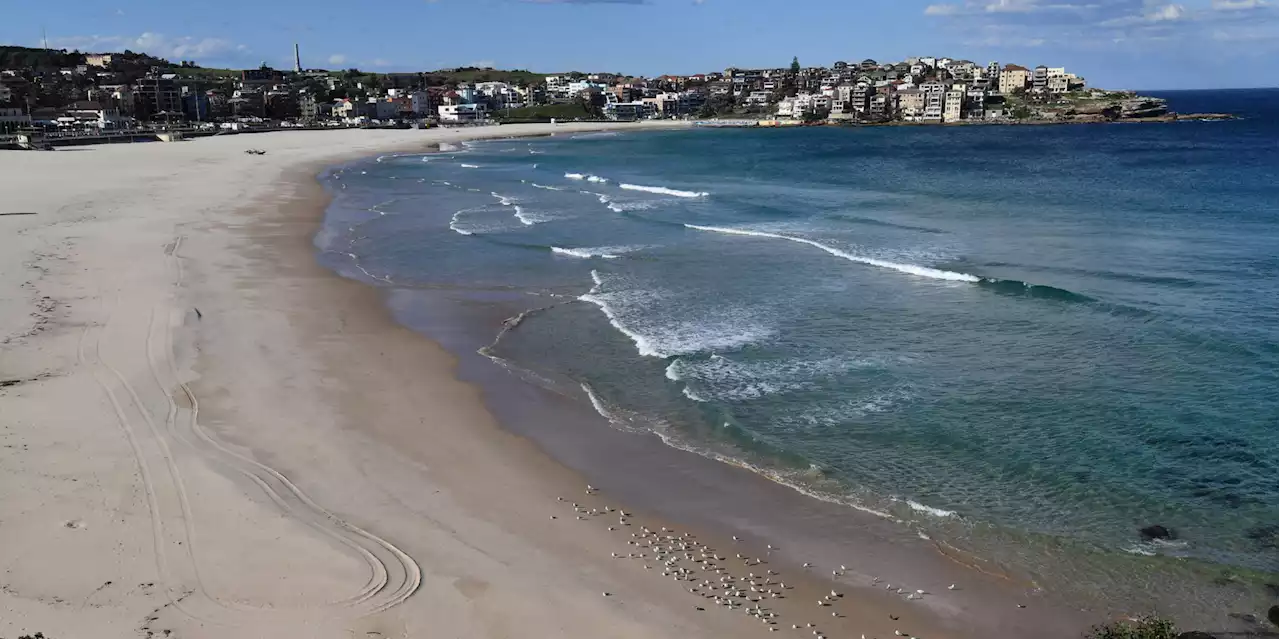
(705,572)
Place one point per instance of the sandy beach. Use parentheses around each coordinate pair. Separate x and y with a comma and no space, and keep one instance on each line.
(205,433)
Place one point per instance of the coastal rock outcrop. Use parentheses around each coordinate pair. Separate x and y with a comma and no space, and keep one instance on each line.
(1195,634)
(1156,531)
(1143,107)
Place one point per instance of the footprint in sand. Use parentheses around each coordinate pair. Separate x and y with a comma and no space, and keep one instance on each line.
(75,524)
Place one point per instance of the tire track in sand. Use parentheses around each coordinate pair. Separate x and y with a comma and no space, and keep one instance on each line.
(393,575)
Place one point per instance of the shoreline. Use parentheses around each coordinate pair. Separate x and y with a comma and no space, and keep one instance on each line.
(156,318)
(625,463)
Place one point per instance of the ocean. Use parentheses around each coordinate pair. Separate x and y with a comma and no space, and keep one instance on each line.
(1026,342)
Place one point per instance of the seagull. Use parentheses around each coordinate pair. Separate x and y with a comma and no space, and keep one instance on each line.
(842,567)
(1022,605)
(806,565)
(605,594)
(559,498)
(590,487)
(921,592)
(553,516)
(835,594)
(951,587)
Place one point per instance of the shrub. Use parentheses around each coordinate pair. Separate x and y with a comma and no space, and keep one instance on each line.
(1143,628)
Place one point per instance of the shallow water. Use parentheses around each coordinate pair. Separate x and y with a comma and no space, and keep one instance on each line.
(1023,342)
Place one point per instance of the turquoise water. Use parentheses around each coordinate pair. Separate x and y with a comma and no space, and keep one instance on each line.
(1021,341)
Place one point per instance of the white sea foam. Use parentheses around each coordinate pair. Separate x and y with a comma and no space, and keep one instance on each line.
(448,146)
(662,190)
(597,179)
(632,313)
(544,187)
(575,176)
(453,224)
(930,510)
(619,207)
(606,252)
(688,392)
(505,200)
(912,269)
(1139,550)
(727,379)
(469,166)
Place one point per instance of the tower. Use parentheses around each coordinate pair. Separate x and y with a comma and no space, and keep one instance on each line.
(297,59)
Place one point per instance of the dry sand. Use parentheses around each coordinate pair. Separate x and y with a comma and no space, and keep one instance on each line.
(203,433)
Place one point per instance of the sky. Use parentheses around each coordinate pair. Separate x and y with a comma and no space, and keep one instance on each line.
(1118,44)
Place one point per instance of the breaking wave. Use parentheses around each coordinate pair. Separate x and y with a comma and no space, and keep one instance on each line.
(631,313)
(453,223)
(622,207)
(469,166)
(662,190)
(586,176)
(930,510)
(729,380)
(912,269)
(606,252)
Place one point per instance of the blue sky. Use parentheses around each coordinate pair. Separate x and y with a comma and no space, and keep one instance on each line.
(1140,44)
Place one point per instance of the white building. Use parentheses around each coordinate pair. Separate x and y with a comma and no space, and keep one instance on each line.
(953,105)
(628,111)
(461,113)
(12,119)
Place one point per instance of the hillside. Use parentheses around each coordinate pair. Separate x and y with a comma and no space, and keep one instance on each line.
(463,75)
(15,57)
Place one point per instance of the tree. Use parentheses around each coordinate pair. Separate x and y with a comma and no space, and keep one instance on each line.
(716,105)
(795,64)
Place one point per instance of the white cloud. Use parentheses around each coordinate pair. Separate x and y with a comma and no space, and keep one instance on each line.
(156,44)
(1238,5)
(1153,15)
(942,10)
(379,62)
(337,58)
(1166,13)
(973,7)
(482,64)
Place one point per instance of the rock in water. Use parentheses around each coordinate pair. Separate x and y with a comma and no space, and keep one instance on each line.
(1156,531)
(1195,634)
(1273,613)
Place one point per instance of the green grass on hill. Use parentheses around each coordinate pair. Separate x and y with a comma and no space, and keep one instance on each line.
(471,74)
(545,112)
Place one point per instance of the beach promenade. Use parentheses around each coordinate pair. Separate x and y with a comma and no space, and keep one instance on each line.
(203,433)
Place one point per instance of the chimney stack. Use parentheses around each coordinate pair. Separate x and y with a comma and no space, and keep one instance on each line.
(297,59)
